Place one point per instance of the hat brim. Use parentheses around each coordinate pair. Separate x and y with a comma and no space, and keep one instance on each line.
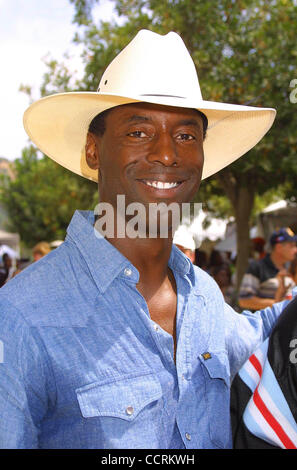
(58,126)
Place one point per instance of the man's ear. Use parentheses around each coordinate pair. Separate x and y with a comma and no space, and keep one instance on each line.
(92,154)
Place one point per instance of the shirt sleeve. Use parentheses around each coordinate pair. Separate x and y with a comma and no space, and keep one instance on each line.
(246,331)
(24,380)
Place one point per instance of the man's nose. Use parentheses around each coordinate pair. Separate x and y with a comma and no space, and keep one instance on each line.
(163,151)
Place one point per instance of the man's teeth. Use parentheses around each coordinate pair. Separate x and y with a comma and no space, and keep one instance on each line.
(161,184)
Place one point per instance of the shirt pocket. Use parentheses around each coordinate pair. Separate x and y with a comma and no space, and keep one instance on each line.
(124,398)
(217,398)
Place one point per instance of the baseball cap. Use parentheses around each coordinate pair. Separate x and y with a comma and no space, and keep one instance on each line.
(281,235)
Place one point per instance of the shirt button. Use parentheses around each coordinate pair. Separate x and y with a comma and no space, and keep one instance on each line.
(156,328)
(130,410)
(188,436)
(128,272)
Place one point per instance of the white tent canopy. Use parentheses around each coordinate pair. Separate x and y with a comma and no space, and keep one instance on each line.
(276,215)
(213,231)
(230,244)
(9,243)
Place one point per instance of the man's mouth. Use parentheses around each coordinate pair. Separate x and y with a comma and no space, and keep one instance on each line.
(162,184)
(170,184)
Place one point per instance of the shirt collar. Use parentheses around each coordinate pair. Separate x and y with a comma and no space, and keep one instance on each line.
(106,262)
(269,262)
(179,262)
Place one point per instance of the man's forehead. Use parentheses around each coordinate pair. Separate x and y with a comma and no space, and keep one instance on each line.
(149,110)
(287,243)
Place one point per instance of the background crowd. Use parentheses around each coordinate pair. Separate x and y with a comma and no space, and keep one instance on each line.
(270,276)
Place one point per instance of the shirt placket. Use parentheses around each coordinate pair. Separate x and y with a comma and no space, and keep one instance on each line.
(184,417)
(181,368)
(188,401)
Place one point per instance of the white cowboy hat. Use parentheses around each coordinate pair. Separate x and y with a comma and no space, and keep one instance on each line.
(154,69)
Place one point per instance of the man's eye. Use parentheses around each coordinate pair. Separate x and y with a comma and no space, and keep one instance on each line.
(137,134)
(185,137)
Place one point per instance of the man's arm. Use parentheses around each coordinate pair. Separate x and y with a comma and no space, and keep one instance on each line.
(23,403)
(255,303)
(246,331)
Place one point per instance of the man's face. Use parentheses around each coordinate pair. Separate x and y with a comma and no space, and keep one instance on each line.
(150,153)
(288,250)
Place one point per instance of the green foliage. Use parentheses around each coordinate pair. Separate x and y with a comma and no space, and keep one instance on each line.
(42,198)
(83,9)
(56,79)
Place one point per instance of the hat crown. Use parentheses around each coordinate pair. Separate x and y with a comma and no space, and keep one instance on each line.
(281,235)
(152,65)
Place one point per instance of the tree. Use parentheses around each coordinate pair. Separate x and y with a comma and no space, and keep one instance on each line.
(42,197)
(245,53)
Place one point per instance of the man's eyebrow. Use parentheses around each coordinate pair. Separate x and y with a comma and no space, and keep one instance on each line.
(183,122)
(138,118)
(190,122)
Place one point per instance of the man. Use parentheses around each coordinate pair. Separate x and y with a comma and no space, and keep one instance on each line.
(258,248)
(263,393)
(115,341)
(260,283)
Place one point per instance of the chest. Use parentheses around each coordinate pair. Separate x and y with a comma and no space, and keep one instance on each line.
(111,374)
(162,304)
(162,309)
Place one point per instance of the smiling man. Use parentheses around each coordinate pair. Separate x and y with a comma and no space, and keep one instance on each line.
(151,154)
(148,152)
(115,341)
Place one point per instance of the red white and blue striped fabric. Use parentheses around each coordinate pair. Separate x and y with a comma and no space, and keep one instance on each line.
(267,414)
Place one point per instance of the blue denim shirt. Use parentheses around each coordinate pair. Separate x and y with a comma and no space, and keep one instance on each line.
(84,366)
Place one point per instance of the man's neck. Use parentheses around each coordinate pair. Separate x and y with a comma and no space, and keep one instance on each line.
(150,256)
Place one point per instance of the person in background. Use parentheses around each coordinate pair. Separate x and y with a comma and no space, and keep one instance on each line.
(20,265)
(222,275)
(258,246)
(201,259)
(215,260)
(184,240)
(287,280)
(40,250)
(259,284)
(7,271)
(263,393)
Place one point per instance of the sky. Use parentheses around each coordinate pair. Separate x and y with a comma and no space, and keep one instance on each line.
(29,30)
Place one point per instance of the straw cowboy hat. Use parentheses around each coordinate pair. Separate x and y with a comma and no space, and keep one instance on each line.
(155,69)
